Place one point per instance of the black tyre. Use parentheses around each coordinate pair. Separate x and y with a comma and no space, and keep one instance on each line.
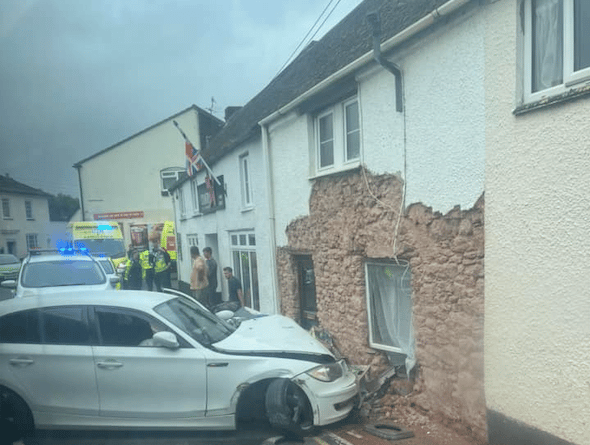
(16,420)
(288,408)
(389,431)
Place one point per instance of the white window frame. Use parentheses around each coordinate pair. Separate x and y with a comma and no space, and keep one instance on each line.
(243,243)
(246,181)
(6,208)
(29,210)
(174,173)
(571,78)
(181,203)
(192,239)
(400,270)
(195,196)
(339,140)
(32,241)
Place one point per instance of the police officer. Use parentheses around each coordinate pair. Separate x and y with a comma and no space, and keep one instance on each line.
(133,273)
(146,258)
(162,269)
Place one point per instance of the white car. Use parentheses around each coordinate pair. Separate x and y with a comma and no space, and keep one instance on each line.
(139,359)
(9,266)
(46,270)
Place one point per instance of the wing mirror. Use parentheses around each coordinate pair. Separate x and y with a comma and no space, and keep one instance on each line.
(114,281)
(9,284)
(166,339)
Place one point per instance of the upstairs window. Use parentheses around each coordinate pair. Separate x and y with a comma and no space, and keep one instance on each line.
(338,137)
(32,242)
(245,181)
(169,177)
(557,46)
(29,210)
(5,208)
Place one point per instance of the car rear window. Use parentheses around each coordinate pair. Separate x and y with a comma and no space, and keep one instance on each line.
(62,273)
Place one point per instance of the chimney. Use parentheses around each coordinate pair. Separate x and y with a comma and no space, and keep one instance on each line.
(229,112)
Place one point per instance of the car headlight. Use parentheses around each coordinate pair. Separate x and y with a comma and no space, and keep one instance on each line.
(326,373)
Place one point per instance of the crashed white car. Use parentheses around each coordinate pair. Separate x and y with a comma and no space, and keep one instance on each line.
(135,359)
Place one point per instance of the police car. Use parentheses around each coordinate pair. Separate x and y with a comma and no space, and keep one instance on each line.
(9,266)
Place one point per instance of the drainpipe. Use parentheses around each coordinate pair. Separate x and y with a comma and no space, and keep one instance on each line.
(373,19)
(79,167)
(271,216)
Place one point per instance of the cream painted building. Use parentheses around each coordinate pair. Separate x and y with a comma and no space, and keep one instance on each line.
(127,182)
(537,304)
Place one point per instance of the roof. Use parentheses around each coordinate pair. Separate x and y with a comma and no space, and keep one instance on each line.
(9,185)
(350,39)
(143,300)
(208,127)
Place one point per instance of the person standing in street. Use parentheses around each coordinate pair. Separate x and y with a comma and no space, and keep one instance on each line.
(133,272)
(161,269)
(235,287)
(199,281)
(211,276)
(146,258)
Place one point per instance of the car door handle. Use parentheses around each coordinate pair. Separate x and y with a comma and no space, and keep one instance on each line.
(21,362)
(109,364)
(217,365)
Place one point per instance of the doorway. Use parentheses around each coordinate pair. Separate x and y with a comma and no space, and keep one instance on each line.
(307,295)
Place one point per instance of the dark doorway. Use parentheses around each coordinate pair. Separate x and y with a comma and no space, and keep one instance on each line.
(307,295)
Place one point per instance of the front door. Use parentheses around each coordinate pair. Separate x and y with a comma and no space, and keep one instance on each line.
(307,295)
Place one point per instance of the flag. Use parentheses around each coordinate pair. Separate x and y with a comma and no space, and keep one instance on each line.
(194,162)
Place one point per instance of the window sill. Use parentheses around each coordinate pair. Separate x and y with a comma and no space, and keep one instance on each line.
(247,209)
(337,170)
(570,95)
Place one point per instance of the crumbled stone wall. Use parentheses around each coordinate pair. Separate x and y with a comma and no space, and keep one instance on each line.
(354,217)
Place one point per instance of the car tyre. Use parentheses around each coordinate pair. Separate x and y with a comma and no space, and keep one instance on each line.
(288,408)
(16,419)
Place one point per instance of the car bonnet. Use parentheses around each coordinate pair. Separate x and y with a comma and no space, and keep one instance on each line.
(277,336)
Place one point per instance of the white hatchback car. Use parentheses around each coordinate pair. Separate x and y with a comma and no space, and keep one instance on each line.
(46,270)
(138,359)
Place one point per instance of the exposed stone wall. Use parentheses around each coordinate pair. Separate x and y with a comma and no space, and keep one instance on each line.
(354,217)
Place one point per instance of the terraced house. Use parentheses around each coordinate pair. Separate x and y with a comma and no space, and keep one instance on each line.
(372,151)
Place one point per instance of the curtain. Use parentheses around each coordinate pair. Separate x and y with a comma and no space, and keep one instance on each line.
(547,42)
(390,296)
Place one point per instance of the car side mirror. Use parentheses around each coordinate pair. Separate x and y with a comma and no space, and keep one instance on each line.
(166,339)
(225,315)
(114,281)
(9,284)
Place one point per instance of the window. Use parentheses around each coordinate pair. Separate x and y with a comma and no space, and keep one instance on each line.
(245,181)
(557,46)
(29,210)
(20,327)
(211,194)
(181,203)
(168,177)
(120,327)
(389,306)
(245,266)
(65,326)
(32,241)
(6,208)
(338,135)
(192,240)
(194,196)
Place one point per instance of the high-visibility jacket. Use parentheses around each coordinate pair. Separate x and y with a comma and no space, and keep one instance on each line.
(162,259)
(144,259)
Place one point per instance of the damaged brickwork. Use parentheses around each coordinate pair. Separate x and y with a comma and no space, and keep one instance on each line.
(354,217)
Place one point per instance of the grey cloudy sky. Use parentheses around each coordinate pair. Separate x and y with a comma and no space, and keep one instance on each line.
(77,76)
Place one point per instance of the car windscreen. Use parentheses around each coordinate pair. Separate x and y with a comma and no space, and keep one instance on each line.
(115,248)
(8,259)
(62,273)
(200,324)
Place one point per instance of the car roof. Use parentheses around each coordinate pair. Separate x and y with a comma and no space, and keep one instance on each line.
(142,300)
(36,258)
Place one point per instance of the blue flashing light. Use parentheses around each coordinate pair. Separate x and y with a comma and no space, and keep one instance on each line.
(104,227)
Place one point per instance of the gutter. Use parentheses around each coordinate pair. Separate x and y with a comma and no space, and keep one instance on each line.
(79,167)
(422,24)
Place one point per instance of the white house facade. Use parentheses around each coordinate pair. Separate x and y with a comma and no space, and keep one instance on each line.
(25,218)
(235,227)
(537,310)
